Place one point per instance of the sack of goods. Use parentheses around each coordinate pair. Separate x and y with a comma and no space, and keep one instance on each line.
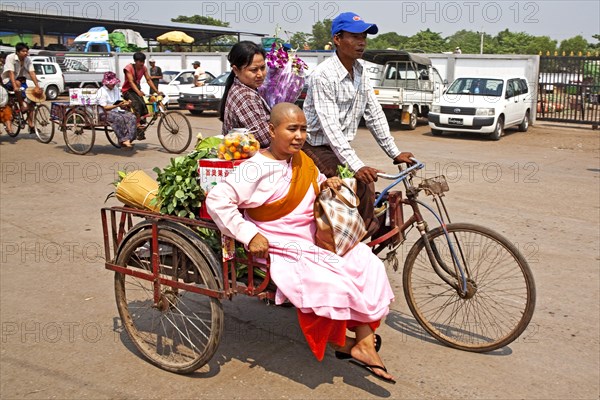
(138,190)
(339,225)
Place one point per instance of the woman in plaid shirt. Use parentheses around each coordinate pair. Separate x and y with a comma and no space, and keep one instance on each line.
(242,106)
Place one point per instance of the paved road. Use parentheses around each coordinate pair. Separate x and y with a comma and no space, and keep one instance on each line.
(61,336)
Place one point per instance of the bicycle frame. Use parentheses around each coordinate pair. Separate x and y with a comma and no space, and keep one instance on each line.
(121,222)
(399,227)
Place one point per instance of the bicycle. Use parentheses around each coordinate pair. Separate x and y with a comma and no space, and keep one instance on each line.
(466,285)
(78,124)
(44,131)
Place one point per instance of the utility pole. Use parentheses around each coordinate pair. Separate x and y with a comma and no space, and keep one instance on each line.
(481,43)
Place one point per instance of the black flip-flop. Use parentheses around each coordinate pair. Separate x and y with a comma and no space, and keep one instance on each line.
(345,356)
(372,368)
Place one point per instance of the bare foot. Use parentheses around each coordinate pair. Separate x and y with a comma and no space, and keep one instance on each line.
(364,351)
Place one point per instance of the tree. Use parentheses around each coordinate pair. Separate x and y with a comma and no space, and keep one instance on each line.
(321,34)
(575,44)
(389,40)
(299,38)
(427,41)
(541,44)
(200,20)
(514,43)
(468,41)
(221,43)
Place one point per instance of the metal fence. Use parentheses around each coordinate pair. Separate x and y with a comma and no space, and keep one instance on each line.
(569,90)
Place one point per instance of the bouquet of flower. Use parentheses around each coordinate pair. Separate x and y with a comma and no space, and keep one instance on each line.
(285,76)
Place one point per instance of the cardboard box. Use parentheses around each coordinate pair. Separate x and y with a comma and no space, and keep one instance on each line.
(82,97)
(212,171)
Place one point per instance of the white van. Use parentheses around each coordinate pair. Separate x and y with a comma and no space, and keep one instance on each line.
(484,105)
(50,77)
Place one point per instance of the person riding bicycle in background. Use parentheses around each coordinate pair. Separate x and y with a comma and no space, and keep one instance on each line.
(17,65)
(131,87)
(339,95)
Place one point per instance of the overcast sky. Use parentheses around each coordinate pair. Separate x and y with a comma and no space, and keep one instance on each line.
(557,19)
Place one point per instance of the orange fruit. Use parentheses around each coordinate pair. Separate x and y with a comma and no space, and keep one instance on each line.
(232,149)
(227,156)
(237,155)
(246,148)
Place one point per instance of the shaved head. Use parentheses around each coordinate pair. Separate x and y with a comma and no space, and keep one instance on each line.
(282,111)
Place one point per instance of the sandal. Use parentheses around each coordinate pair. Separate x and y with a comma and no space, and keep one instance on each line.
(372,368)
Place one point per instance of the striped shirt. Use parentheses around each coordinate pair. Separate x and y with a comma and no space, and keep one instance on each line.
(334,106)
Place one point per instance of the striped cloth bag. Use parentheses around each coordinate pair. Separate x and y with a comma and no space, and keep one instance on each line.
(339,225)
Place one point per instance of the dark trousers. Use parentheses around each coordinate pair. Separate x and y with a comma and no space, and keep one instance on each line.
(137,104)
(327,162)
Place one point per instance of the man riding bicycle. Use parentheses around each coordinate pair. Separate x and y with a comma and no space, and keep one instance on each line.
(19,65)
(339,95)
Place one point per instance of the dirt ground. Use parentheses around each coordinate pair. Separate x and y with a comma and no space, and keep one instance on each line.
(61,335)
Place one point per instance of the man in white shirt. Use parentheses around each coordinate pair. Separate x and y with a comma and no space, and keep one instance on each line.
(339,95)
(199,74)
(19,64)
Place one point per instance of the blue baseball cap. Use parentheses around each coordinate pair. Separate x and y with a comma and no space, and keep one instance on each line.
(351,22)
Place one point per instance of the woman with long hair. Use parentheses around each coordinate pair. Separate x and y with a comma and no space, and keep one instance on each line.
(242,106)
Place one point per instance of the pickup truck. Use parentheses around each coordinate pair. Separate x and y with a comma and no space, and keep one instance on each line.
(80,71)
(405,84)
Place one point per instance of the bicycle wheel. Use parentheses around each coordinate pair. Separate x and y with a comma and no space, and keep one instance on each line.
(501,292)
(112,137)
(174,132)
(17,121)
(79,133)
(182,331)
(44,128)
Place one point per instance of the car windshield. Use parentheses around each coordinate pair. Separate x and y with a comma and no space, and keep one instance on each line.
(220,80)
(477,87)
(168,76)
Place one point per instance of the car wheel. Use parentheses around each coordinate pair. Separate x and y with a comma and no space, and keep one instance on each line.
(52,92)
(436,132)
(499,131)
(196,112)
(524,125)
(412,124)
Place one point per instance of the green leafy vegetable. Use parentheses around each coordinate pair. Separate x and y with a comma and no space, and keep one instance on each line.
(179,192)
(344,172)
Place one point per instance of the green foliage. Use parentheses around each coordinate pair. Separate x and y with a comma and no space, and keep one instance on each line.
(200,20)
(389,40)
(321,34)
(344,172)
(504,42)
(299,38)
(178,190)
(222,43)
(427,41)
(575,44)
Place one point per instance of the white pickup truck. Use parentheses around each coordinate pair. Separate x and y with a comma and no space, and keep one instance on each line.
(405,84)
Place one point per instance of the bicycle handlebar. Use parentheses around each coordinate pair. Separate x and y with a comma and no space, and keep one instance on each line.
(417,165)
(402,175)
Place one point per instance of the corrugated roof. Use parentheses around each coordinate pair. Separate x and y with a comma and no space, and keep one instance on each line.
(50,23)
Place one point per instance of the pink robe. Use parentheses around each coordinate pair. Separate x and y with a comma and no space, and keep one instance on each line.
(354,287)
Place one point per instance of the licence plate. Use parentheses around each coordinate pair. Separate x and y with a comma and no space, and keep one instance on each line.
(455,121)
